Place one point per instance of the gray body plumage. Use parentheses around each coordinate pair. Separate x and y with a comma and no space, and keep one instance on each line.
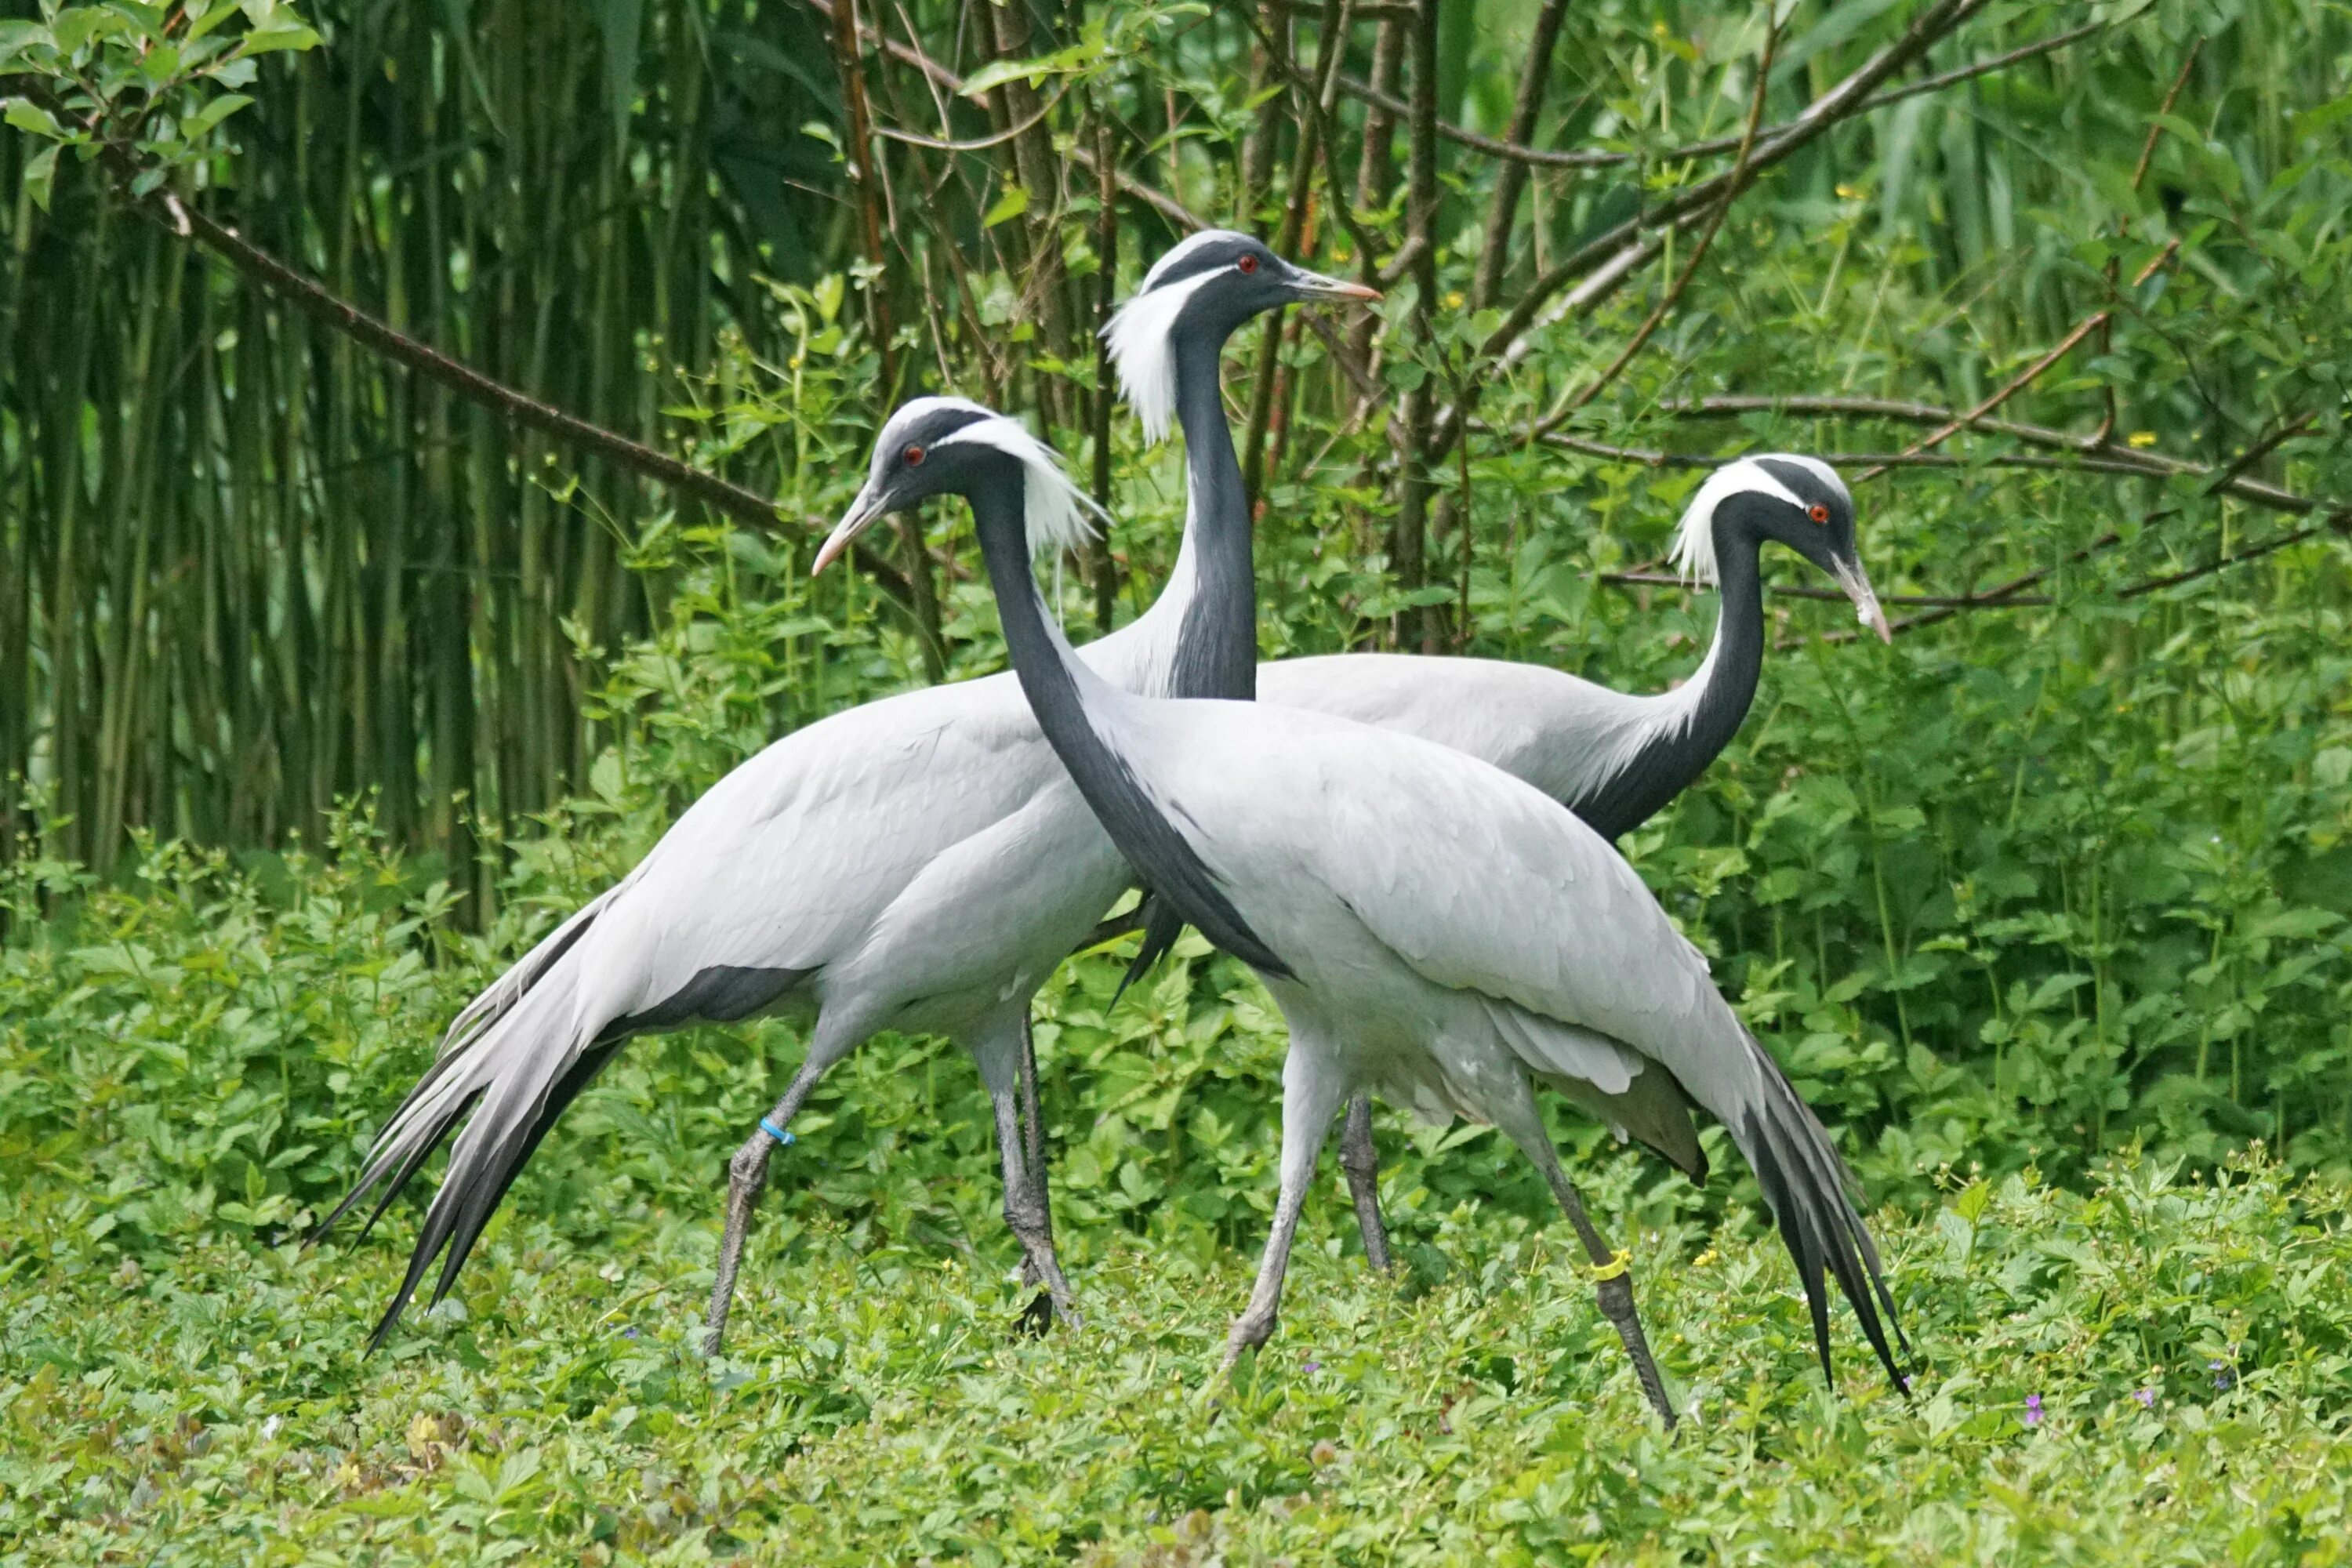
(1441,932)
(919,863)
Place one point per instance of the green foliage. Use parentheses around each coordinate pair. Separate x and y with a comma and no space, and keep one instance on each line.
(2047,906)
(2150,1372)
(154,82)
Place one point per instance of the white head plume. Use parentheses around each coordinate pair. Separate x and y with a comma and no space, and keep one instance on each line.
(1056,509)
(1137,335)
(1694,552)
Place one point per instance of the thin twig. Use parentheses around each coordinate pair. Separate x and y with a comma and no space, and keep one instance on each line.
(1605,263)
(978,143)
(1732,187)
(2014,385)
(1511,179)
(315,301)
(1517,151)
(1807,590)
(2338,522)
(2155,130)
(940,75)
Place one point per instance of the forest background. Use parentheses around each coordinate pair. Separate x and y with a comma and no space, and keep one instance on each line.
(416,424)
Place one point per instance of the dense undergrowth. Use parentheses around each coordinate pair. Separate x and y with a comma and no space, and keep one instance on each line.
(2047,907)
(2151,1372)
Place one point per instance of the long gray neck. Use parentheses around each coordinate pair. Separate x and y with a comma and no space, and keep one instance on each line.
(1087,738)
(1216,642)
(1694,731)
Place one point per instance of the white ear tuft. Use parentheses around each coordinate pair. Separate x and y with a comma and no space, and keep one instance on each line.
(1694,552)
(1140,347)
(1056,509)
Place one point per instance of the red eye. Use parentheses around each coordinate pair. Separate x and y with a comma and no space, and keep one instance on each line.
(913,457)
(1818,512)
(1247,264)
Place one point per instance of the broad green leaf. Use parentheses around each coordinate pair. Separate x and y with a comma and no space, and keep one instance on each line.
(270,40)
(25,115)
(201,122)
(40,172)
(996,73)
(21,39)
(1010,205)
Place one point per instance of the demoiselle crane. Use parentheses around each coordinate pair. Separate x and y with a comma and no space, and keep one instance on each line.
(1433,927)
(1612,758)
(920,863)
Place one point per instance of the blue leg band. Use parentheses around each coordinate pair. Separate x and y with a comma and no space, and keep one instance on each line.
(775,1131)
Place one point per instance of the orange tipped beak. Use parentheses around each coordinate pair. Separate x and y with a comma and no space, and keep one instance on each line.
(1316,286)
(854,521)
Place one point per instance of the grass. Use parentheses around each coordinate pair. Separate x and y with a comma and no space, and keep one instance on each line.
(2153,1373)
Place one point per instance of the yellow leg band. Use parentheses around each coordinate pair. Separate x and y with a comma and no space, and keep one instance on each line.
(1612,1269)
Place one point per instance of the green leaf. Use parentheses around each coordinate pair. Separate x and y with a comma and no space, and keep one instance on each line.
(29,116)
(1010,205)
(996,73)
(76,25)
(210,16)
(18,39)
(201,122)
(40,171)
(271,40)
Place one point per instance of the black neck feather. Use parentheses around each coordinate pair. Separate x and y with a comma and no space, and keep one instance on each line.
(1216,646)
(1676,754)
(1162,858)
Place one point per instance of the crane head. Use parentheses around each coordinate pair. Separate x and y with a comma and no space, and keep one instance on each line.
(1202,290)
(945,446)
(1799,501)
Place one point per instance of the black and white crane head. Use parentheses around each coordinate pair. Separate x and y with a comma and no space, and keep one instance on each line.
(1798,502)
(1202,290)
(940,445)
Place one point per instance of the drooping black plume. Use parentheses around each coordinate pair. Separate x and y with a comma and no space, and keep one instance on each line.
(1809,1190)
(1161,927)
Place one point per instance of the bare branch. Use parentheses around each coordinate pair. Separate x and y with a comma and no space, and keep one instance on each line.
(941,76)
(2015,385)
(1607,261)
(1517,149)
(1511,179)
(1673,295)
(313,299)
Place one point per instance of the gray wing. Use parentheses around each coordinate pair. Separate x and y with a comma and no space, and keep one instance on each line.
(1564,735)
(1479,883)
(787,866)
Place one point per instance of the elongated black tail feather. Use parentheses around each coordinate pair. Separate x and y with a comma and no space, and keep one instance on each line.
(481,1170)
(1161,927)
(1811,1191)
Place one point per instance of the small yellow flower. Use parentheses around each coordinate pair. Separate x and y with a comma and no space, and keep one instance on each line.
(1850,192)
(2143,438)
(1658,29)
(1453,299)
(1703,1259)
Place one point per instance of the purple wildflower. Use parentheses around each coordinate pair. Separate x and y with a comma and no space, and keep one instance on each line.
(2033,1410)
(630,1332)
(2222,1377)
(2146,1397)
(1315,1366)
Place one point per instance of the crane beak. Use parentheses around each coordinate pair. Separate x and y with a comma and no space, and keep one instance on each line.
(1314,286)
(854,521)
(1850,577)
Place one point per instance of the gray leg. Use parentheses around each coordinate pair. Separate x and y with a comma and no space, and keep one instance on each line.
(1027,1216)
(746,1173)
(1033,1148)
(1362,1163)
(1311,1091)
(1615,1284)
